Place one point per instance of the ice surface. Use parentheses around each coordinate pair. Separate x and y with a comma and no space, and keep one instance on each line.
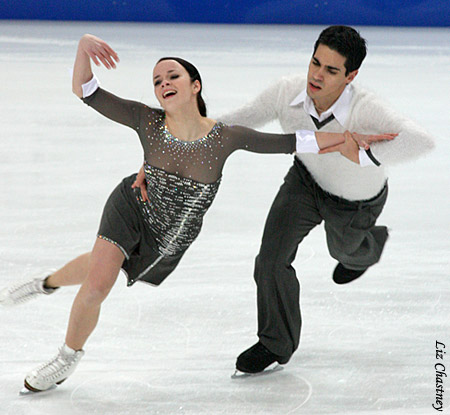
(366,348)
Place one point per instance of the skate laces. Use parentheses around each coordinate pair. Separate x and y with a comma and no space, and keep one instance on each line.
(22,291)
(57,366)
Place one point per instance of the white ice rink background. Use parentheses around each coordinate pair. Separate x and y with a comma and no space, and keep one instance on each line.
(366,348)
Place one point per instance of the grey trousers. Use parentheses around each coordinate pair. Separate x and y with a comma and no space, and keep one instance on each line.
(300,205)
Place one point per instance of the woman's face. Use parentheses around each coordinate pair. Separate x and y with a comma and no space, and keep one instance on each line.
(173,86)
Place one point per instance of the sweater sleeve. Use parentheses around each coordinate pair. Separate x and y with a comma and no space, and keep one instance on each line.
(258,112)
(371,115)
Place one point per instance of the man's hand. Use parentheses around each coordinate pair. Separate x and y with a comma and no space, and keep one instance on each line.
(349,148)
(142,184)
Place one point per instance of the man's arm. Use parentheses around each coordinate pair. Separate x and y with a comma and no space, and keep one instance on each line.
(374,116)
(141,183)
(259,111)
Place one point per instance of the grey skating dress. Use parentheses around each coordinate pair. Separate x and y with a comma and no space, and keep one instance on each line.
(182,177)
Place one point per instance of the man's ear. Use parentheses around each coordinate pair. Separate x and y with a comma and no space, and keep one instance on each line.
(351,76)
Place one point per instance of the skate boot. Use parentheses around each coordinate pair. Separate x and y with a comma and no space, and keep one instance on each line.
(24,291)
(54,372)
(258,358)
(343,275)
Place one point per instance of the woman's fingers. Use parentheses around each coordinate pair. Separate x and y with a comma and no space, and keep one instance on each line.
(111,52)
(380,137)
(364,140)
(108,56)
(103,57)
(100,51)
(93,57)
(331,149)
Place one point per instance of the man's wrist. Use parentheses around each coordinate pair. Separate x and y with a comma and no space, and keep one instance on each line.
(367,159)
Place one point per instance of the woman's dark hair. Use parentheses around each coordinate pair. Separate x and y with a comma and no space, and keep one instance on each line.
(195,76)
(347,42)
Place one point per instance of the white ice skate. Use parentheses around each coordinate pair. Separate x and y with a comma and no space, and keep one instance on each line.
(54,372)
(23,291)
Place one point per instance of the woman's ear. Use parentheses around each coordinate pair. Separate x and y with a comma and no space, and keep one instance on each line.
(197,86)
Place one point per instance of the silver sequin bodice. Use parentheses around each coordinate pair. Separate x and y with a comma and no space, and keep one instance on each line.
(176,208)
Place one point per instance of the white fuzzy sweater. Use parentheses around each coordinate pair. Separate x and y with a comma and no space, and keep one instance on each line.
(333,172)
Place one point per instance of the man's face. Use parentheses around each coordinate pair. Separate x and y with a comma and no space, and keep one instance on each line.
(326,77)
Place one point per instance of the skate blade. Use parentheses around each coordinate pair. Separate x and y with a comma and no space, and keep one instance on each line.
(27,392)
(274,367)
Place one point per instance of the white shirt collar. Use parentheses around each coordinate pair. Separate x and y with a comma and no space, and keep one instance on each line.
(339,109)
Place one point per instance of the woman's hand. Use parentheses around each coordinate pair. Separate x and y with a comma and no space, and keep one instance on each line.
(364,140)
(99,51)
(90,47)
(352,143)
(141,183)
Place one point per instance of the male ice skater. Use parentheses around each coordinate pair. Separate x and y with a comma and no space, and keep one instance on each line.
(346,189)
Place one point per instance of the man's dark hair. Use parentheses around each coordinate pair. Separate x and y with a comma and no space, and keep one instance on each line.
(347,42)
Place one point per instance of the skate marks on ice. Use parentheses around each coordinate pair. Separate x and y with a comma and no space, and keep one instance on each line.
(389,300)
(379,314)
(169,392)
(383,307)
(281,392)
(117,395)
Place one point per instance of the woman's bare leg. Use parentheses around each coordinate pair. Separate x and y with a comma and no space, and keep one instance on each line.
(104,263)
(73,273)
(104,266)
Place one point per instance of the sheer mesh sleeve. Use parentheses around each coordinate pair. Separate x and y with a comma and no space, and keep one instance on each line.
(257,142)
(121,110)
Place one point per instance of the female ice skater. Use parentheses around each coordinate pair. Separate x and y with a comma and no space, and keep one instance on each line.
(184,155)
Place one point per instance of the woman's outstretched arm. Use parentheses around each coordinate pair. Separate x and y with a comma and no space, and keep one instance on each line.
(91,47)
(302,142)
(85,85)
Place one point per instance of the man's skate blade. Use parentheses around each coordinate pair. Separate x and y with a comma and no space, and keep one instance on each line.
(27,392)
(274,367)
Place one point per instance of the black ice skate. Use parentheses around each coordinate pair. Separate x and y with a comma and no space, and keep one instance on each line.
(342,275)
(258,360)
